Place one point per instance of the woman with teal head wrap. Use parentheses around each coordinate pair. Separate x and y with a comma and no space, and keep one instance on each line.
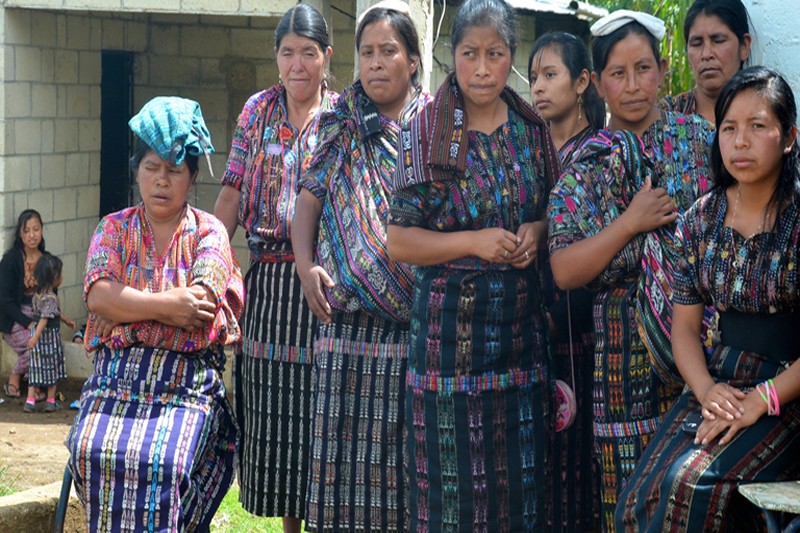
(153,446)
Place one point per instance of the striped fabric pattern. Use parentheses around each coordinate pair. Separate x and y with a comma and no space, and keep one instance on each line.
(356,472)
(153,447)
(273,391)
(680,486)
(47,365)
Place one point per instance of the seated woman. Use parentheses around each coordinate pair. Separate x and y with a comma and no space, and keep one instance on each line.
(739,250)
(153,446)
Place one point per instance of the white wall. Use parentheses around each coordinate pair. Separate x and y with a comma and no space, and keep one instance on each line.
(777,41)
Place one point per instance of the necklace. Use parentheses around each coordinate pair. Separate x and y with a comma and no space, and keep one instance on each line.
(739,257)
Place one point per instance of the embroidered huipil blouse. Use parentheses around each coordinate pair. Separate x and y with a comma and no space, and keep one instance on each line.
(263,165)
(123,250)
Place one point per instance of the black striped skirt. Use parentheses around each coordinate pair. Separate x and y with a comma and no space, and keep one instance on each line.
(272,387)
(356,478)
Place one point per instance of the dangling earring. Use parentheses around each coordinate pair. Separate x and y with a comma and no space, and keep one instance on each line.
(580,107)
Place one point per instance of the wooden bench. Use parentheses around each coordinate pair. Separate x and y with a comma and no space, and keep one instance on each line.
(774,499)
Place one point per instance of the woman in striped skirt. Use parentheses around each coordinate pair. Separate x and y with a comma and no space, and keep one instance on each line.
(468,208)
(153,447)
(276,130)
(360,296)
(740,246)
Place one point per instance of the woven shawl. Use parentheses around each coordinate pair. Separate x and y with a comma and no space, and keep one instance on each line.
(435,144)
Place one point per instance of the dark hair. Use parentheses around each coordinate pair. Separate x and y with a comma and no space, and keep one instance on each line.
(304,21)
(23,219)
(731,12)
(774,89)
(140,149)
(575,56)
(602,45)
(482,14)
(405,29)
(47,269)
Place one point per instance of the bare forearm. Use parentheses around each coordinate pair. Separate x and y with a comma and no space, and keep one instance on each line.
(124,304)
(580,263)
(788,383)
(305,226)
(226,209)
(420,246)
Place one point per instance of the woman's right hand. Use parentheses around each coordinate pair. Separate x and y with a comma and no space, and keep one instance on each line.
(649,209)
(313,280)
(495,244)
(188,307)
(723,401)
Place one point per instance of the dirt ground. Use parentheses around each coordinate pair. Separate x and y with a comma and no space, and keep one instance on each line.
(32,444)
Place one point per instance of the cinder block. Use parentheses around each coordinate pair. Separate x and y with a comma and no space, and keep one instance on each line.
(18,99)
(78,32)
(78,101)
(89,68)
(18,169)
(42,201)
(154,5)
(43,100)
(48,136)
(29,133)
(17,26)
(54,234)
(210,6)
(113,34)
(54,175)
(276,8)
(66,136)
(43,29)
(88,201)
(135,36)
(76,238)
(66,66)
(211,73)
(28,63)
(77,169)
(67,205)
(205,42)
(253,44)
(48,65)
(175,71)
(89,135)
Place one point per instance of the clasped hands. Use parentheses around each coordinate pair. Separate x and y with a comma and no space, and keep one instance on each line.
(726,408)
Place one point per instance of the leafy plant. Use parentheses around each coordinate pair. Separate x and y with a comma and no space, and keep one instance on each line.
(8,483)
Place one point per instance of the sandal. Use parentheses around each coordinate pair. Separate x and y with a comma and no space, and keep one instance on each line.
(40,396)
(8,388)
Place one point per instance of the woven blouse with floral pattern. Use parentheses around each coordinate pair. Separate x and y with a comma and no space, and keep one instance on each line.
(123,251)
(487,195)
(763,279)
(264,164)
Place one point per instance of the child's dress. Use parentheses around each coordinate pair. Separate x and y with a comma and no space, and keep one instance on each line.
(47,357)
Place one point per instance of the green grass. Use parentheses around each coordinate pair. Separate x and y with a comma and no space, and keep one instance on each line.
(231,518)
(8,483)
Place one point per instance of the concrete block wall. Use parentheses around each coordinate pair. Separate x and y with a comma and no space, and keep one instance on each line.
(50,115)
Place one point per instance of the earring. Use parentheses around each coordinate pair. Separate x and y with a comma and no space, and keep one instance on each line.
(787,149)
(580,107)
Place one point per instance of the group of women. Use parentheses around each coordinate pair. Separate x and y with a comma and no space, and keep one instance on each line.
(422,270)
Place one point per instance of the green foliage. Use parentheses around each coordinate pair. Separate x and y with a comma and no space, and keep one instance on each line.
(231,518)
(679,76)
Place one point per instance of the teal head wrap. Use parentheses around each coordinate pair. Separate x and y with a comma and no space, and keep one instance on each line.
(172,127)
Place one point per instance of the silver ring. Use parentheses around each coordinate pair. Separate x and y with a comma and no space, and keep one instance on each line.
(526,255)
(505,254)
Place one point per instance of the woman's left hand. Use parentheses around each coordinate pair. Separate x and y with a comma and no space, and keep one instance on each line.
(104,326)
(530,236)
(754,409)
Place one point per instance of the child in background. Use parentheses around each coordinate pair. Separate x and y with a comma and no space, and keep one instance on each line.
(47,351)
